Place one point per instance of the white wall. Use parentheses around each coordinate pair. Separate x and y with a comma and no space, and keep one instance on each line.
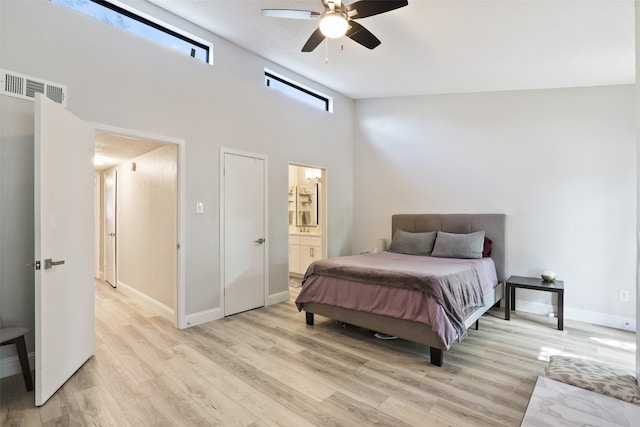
(560,164)
(147,225)
(16,220)
(637,22)
(121,80)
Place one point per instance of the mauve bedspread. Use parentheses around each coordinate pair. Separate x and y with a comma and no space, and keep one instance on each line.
(435,291)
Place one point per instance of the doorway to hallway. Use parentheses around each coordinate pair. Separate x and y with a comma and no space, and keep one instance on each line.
(137,221)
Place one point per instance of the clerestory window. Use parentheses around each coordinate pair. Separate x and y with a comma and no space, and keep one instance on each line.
(128,19)
(298,91)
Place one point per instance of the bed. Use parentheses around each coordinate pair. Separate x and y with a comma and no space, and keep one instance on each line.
(386,292)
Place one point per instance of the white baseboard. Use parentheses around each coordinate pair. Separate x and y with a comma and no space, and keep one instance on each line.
(216,313)
(618,322)
(10,365)
(203,317)
(535,307)
(278,298)
(151,303)
(611,321)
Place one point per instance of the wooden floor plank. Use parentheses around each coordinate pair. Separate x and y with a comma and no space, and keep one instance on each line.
(409,413)
(361,414)
(16,404)
(60,407)
(126,352)
(269,337)
(218,405)
(266,367)
(277,390)
(271,413)
(281,370)
(460,416)
(164,393)
(120,383)
(99,408)
(218,376)
(141,411)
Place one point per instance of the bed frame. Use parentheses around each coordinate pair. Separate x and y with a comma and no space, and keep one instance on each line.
(494,227)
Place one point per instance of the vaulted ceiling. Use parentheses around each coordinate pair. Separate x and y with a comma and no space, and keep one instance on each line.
(440,46)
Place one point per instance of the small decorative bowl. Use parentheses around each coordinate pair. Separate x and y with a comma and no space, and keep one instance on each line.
(548,276)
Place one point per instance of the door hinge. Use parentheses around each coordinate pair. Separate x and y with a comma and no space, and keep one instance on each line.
(36,264)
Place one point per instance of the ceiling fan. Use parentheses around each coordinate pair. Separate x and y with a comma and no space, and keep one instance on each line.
(337,20)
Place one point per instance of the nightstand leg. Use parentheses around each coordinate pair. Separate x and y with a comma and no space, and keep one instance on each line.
(513,298)
(507,302)
(560,311)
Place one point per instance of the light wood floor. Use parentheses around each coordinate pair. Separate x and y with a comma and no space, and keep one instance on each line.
(266,367)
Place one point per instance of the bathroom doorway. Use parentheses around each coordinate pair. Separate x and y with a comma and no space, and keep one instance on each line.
(307,219)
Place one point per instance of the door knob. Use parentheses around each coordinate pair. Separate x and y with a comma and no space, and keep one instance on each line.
(260,241)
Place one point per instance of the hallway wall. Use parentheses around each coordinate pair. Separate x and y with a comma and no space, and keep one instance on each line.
(147,218)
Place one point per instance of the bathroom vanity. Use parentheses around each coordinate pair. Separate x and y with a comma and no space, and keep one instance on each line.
(303,250)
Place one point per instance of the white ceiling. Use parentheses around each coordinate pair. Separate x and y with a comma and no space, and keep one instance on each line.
(440,46)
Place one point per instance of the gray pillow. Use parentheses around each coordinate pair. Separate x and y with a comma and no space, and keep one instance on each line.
(405,242)
(450,245)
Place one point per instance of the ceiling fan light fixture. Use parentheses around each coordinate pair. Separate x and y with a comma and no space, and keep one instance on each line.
(334,25)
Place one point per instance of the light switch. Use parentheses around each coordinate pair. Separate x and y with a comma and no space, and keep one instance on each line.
(199,207)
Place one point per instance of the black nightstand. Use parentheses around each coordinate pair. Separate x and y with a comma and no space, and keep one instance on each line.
(514,282)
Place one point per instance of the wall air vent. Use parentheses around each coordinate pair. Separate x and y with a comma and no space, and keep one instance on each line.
(26,87)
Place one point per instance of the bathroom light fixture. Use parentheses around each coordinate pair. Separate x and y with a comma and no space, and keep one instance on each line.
(98,161)
(334,25)
(312,174)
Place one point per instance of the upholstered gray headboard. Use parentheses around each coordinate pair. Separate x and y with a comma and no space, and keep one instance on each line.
(492,224)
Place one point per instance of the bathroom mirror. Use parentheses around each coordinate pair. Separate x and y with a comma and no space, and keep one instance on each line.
(307,208)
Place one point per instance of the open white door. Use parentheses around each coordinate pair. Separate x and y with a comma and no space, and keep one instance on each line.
(64,247)
(110,215)
(244,233)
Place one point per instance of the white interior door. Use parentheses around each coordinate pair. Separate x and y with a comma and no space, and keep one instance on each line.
(110,209)
(244,233)
(64,218)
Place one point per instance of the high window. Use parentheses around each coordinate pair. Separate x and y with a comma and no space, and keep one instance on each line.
(298,91)
(128,19)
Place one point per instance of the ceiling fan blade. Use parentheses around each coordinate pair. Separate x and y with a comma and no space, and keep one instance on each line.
(290,13)
(364,8)
(313,42)
(360,34)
